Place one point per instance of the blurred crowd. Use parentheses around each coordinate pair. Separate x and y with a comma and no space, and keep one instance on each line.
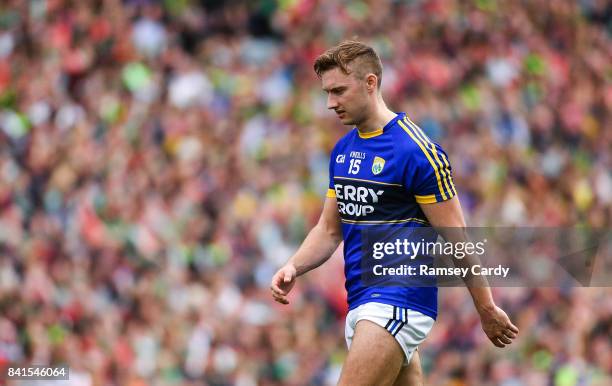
(160,159)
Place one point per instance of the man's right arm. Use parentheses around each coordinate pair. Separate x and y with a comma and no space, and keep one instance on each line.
(315,250)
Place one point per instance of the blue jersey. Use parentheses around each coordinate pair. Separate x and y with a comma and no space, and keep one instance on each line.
(379,179)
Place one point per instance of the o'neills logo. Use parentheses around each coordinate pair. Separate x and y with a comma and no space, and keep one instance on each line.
(359,197)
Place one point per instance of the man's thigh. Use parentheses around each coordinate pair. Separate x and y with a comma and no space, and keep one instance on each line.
(412,374)
(374,358)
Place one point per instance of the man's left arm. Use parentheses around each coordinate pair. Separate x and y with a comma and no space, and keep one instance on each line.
(447,218)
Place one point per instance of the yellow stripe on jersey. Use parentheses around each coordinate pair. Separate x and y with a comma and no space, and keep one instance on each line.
(331,193)
(444,170)
(429,199)
(376,222)
(450,178)
(431,161)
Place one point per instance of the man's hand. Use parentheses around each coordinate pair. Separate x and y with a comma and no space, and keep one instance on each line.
(498,326)
(447,218)
(316,249)
(282,283)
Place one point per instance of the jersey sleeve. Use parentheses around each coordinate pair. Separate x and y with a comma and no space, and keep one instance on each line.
(428,174)
(331,192)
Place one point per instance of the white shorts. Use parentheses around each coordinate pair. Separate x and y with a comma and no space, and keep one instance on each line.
(408,327)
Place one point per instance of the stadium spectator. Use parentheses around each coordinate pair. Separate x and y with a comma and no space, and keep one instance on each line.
(159,160)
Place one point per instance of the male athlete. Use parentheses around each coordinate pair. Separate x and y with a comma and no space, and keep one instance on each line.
(385,171)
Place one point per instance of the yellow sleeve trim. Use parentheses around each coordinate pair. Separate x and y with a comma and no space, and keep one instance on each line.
(331,193)
(429,199)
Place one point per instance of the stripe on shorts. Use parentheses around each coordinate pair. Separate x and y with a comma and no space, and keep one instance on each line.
(398,321)
(398,328)
(388,324)
(393,326)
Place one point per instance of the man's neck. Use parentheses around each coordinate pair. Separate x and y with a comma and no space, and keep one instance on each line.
(382,115)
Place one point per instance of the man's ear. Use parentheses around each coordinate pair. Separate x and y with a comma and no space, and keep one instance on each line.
(371,82)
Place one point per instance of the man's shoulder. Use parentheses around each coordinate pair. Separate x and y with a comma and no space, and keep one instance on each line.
(403,137)
(408,138)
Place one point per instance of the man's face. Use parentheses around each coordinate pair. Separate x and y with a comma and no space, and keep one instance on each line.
(346,95)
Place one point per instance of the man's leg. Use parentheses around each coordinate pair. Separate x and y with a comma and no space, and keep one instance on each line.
(374,359)
(411,375)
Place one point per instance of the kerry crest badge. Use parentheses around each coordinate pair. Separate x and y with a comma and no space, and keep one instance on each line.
(378,165)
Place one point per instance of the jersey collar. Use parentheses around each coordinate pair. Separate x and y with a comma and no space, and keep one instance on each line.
(378,132)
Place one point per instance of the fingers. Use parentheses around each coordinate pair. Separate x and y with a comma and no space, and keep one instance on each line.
(499,329)
(510,334)
(276,288)
(497,342)
(504,339)
(513,328)
(281,279)
(278,294)
(500,340)
(278,278)
(280,299)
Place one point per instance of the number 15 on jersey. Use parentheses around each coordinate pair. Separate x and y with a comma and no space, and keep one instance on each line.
(354,166)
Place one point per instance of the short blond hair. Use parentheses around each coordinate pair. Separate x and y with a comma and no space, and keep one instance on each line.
(344,54)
